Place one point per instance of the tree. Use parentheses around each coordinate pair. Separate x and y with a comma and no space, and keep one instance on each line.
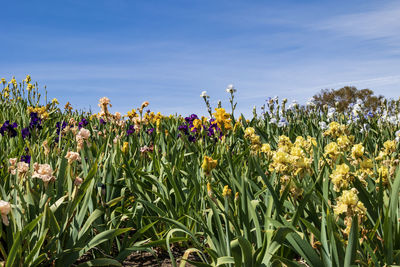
(342,98)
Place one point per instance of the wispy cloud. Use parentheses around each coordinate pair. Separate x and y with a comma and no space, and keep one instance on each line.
(381,22)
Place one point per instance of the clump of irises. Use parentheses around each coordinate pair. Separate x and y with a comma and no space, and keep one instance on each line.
(185,128)
(9,128)
(192,132)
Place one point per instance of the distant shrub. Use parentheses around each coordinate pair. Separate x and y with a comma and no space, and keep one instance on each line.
(343,98)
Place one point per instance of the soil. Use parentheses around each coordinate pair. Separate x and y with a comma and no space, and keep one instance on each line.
(147,259)
(140,258)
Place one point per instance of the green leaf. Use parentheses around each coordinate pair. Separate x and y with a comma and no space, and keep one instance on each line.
(394,198)
(352,244)
(105,236)
(247,251)
(31,256)
(17,244)
(96,214)
(226,260)
(305,250)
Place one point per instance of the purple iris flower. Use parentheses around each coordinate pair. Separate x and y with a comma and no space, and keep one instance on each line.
(25,133)
(130,130)
(191,118)
(82,123)
(184,128)
(35,121)
(213,128)
(9,128)
(26,158)
(60,126)
(150,131)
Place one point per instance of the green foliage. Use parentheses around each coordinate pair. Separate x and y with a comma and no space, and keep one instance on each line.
(147,190)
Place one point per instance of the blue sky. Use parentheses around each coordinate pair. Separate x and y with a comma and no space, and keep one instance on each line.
(168,52)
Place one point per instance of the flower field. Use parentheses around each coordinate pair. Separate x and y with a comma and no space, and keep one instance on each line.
(292,186)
